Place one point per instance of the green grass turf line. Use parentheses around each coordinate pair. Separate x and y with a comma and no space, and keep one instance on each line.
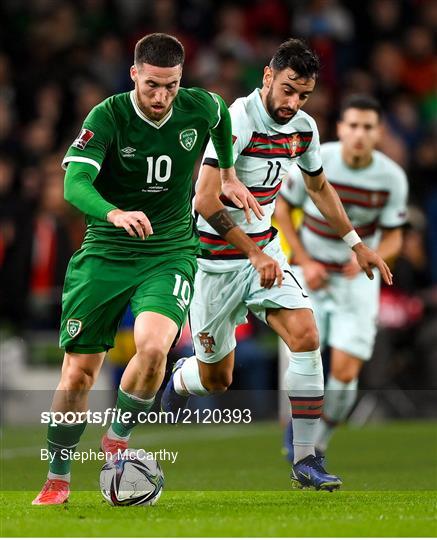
(239,485)
(390,456)
(210,514)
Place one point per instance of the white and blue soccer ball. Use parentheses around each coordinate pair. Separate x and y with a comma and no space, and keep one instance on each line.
(132,480)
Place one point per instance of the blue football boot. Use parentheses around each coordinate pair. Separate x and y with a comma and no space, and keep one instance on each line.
(171,401)
(288,448)
(309,472)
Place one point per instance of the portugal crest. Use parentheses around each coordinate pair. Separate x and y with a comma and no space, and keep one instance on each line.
(188,138)
(74,326)
(207,342)
(294,141)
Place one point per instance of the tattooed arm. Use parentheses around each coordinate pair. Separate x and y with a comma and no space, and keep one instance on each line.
(209,206)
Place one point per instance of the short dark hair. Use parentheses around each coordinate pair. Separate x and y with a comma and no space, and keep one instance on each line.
(160,50)
(296,55)
(363,102)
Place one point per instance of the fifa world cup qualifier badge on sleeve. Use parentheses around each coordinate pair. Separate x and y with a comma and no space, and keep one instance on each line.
(74,327)
(188,138)
(83,139)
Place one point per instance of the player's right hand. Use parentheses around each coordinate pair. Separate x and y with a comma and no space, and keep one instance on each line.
(135,224)
(268,269)
(315,274)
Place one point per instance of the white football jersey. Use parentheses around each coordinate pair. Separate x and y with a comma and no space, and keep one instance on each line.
(374,197)
(263,154)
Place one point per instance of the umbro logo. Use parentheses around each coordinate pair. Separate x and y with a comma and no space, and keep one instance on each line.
(128,151)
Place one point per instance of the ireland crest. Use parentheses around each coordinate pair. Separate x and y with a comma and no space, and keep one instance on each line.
(188,138)
(74,326)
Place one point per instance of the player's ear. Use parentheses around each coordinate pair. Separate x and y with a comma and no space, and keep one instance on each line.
(268,76)
(380,129)
(133,73)
(339,129)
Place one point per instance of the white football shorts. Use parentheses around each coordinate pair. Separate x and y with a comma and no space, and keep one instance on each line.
(346,312)
(221,302)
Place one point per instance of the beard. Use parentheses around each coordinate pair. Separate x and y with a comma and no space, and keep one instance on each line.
(274,111)
(148,111)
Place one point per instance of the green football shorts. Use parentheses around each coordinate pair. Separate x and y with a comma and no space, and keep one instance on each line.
(100,283)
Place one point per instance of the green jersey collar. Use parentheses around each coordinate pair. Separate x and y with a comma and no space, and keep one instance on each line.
(156,125)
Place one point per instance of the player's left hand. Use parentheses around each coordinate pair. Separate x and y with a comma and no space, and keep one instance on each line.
(368,259)
(238,193)
(352,268)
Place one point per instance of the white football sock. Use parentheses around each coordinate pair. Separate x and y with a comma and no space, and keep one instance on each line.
(304,384)
(178,385)
(54,476)
(339,400)
(190,377)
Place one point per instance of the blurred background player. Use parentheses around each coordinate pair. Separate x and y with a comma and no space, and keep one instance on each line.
(129,170)
(374,192)
(240,272)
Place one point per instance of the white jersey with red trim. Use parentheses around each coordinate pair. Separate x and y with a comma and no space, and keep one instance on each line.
(263,153)
(374,197)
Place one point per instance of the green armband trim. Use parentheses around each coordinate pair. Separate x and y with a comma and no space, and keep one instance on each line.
(80,192)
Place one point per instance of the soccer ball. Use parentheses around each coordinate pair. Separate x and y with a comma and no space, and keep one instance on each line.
(131,480)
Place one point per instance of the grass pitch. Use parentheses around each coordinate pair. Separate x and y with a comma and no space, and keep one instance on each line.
(232,481)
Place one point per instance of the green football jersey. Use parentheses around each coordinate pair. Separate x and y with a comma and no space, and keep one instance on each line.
(146,166)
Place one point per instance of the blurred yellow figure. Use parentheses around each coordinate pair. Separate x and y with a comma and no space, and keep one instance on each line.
(296,216)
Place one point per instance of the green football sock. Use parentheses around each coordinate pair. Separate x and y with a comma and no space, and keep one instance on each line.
(62,437)
(127,403)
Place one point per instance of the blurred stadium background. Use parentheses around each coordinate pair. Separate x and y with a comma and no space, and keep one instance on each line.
(59,58)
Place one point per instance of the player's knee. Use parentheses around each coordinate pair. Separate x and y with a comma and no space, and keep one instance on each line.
(77,378)
(217,383)
(151,353)
(151,358)
(344,374)
(304,338)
